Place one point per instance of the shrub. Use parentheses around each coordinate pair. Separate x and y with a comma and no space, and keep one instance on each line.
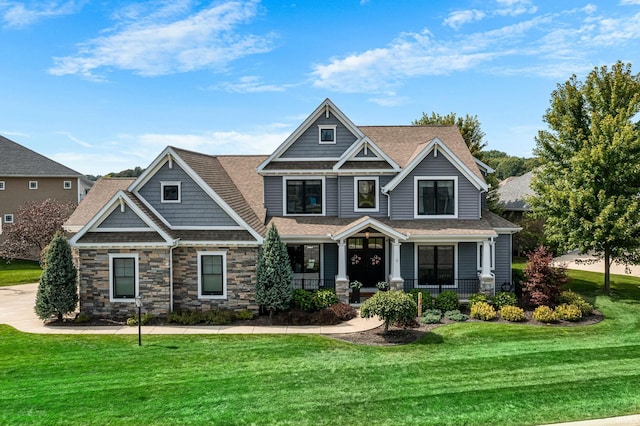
(504,298)
(218,317)
(244,314)
(585,307)
(147,317)
(82,318)
(303,299)
(568,312)
(428,302)
(545,314)
(390,306)
(483,311)
(477,297)
(325,317)
(274,277)
(447,301)
(570,297)
(343,311)
(324,298)
(184,318)
(543,281)
(512,313)
(455,315)
(431,316)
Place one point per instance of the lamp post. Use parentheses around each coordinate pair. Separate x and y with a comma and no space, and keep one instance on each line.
(138,300)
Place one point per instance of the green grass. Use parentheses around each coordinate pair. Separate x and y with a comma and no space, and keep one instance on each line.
(19,272)
(459,374)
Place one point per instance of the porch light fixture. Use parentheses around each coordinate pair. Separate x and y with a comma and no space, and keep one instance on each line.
(366,235)
(138,301)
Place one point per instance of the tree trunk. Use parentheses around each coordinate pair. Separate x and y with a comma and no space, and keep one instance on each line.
(607,271)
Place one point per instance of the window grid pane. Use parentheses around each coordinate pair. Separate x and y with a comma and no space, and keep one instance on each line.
(212,275)
(124,278)
(366,194)
(436,197)
(304,196)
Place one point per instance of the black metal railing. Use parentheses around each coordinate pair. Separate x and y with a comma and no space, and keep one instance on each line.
(314,283)
(463,287)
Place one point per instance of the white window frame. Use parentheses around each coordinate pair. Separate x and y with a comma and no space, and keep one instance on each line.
(284,195)
(492,262)
(171,183)
(111,276)
(2,185)
(8,218)
(356,181)
(327,127)
(417,179)
(33,184)
(222,296)
(67,184)
(455,265)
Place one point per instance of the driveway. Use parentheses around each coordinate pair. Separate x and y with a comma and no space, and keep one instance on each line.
(586,262)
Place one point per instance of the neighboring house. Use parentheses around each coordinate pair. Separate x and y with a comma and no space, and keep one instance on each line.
(512,195)
(26,175)
(402,204)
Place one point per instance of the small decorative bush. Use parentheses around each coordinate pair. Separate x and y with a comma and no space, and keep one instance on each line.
(146,319)
(324,298)
(544,314)
(455,315)
(244,314)
(585,307)
(303,299)
(428,301)
(218,317)
(447,301)
(504,298)
(355,284)
(570,297)
(568,312)
(390,306)
(512,313)
(343,311)
(82,318)
(477,297)
(431,316)
(184,318)
(483,311)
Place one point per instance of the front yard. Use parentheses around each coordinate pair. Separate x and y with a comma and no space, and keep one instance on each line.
(464,373)
(19,272)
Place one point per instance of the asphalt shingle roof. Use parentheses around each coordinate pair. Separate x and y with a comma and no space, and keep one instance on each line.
(19,161)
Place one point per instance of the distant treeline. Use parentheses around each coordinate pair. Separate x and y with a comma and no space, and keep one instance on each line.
(507,165)
(125,173)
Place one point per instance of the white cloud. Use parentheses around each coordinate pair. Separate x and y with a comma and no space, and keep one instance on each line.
(76,140)
(250,84)
(629,2)
(460,17)
(165,41)
(514,7)
(19,15)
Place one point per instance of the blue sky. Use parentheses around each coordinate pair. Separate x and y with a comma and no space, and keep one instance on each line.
(104,86)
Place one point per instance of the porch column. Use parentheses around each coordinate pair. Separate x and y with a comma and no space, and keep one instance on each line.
(487,279)
(342,281)
(396,280)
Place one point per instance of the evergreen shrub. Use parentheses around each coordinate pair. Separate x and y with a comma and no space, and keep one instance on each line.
(447,301)
(544,314)
(512,313)
(483,311)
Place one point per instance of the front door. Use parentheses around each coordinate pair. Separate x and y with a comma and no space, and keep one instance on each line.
(365,260)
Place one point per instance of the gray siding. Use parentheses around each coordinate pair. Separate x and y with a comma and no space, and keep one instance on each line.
(369,154)
(118,219)
(273,195)
(407,262)
(346,193)
(402,196)
(330,266)
(331,192)
(196,207)
(503,260)
(467,261)
(308,146)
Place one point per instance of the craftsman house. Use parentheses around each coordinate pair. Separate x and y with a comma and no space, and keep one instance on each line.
(402,204)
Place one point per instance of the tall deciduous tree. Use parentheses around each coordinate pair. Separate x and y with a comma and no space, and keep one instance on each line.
(588,189)
(57,292)
(274,286)
(469,127)
(34,226)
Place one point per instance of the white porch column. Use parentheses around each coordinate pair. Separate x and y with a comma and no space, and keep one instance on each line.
(486,258)
(396,280)
(487,279)
(342,281)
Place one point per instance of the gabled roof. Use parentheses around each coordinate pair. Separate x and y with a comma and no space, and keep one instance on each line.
(364,223)
(367,144)
(19,161)
(513,192)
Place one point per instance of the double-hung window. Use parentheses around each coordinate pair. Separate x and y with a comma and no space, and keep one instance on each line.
(212,275)
(123,271)
(304,196)
(366,194)
(436,265)
(436,197)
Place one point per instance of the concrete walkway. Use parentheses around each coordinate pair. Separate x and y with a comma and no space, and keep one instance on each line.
(17,302)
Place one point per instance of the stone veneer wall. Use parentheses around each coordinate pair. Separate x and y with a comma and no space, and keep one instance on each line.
(94,283)
(241,276)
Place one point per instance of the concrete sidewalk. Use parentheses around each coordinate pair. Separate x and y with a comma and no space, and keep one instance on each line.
(17,302)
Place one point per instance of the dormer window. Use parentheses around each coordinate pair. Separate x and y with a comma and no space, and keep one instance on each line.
(171,192)
(327,134)
(436,197)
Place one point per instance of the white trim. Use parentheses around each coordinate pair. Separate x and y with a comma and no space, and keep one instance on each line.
(136,276)
(310,159)
(492,261)
(123,230)
(2,185)
(376,193)
(322,127)
(33,184)
(67,184)
(222,296)
(370,222)
(208,228)
(417,179)
(170,183)
(354,149)
(455,264)
(7,215)
(285,179)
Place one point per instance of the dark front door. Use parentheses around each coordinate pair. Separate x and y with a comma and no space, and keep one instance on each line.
(365,260)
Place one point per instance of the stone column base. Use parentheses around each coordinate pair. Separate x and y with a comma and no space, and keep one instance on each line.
(396,284)
(488,285)
(342,289)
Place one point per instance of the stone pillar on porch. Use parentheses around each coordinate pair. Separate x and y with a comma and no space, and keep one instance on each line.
(487,279)
(396,282)
(342,281)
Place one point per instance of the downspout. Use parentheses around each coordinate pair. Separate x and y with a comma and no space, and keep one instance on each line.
(388,203)
(174,245)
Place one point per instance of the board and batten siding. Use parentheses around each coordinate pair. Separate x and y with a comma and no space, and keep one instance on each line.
(308,146)
(119,219)
(503,260)
(196,208)
(402,197)
(346,191)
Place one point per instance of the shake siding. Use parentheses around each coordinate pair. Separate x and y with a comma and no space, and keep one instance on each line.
(407,262)
(347,206)
(467,261)
(503,260)
(308,146)
(330,266)
(128,219)
(402,197)
(196,207)
(273,195)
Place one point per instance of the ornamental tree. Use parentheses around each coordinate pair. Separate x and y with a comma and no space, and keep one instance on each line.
(274,277)
(588,186)
(542,280)
(57,292)
(390,306)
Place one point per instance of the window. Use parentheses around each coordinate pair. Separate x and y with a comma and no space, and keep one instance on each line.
(436,265)
(2,185)
(212,275)
(171,192)
(33,184)
(66,184)
(8,218)
(304,196)
(304,258)
(123,270)
(436,197)
(366,194)
(327,134)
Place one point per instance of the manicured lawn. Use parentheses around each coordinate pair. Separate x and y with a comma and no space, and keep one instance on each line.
(460,374)
(19,272)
